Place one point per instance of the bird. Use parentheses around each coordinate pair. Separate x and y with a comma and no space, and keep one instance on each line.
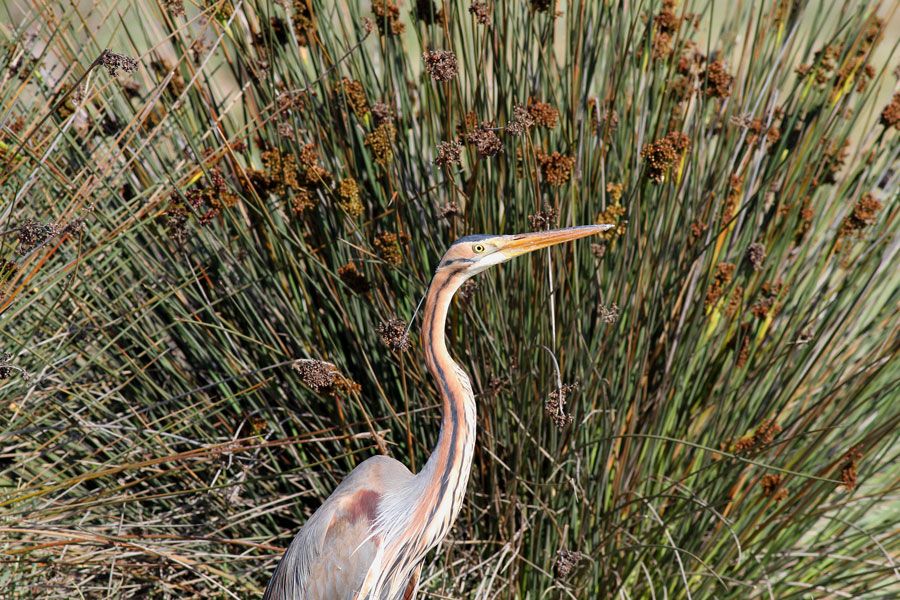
(369,539)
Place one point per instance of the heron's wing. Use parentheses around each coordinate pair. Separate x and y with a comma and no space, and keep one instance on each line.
(331,554)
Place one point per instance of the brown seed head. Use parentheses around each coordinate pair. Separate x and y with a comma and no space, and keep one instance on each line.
(393,334)
(354,278)
(756,255)
(387,246)
(556,168)
(771,487)
(448,153)
(543,114)
(718,80)
(521,122)
(863,215)
(440,64)
(566,561)
(486,142)
(113,61)
(724,273)
(555,406)
(382,112)
(663,153)
(355,94)
(890,116)
(481,12)
(544,218)
(379,142)
(387,15)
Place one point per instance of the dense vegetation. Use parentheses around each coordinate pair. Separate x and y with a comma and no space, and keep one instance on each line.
(702,404)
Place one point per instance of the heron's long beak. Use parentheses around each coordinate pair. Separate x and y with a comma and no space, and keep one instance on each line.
(523,243)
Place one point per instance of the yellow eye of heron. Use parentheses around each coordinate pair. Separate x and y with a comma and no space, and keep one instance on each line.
(478,248)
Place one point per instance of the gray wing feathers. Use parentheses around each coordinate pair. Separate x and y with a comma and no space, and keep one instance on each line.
(330,555)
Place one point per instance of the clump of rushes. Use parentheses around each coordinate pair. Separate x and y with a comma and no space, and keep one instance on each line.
(380,143)
(763,436)
(521,122)
(556,168)
(448,153)
(387,15)
(354,278)
(543,114)
(440,64)
(487,143)
(864,213)
(481,12)
(772,487)
(555,406)
(890,116)
(723,276)
(393,334)
(387,247)
(348,192)
(663,153)
(567,561)
(324,378)
(355,94)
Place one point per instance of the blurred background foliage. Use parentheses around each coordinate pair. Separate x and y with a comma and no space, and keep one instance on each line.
(274,181)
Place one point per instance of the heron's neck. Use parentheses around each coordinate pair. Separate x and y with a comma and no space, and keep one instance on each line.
(445,475)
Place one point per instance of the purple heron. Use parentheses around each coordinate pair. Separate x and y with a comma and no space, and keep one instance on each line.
(369,538)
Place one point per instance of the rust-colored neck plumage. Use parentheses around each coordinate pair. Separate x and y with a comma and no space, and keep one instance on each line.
(446,473)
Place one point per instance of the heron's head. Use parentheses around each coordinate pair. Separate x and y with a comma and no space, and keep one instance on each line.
(475,253)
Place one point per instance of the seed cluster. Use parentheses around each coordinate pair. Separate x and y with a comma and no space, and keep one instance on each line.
(890,116)
(393,334)
(566,561)
(544,218)
(543,114)
(723,276)
(850,468)
(448,153)
(113,62)
(440,64)
(324,378)
(663,153)
(354,278)
(772,488)
(863,215)
(521,122)
(380,141)
(718,80)
(355,94)
(348,192)
(388,17)
(481,12)
(387,246)
(556,168)
(485,140)
(756,255)
(763,436)
(555,406)
(34,233)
